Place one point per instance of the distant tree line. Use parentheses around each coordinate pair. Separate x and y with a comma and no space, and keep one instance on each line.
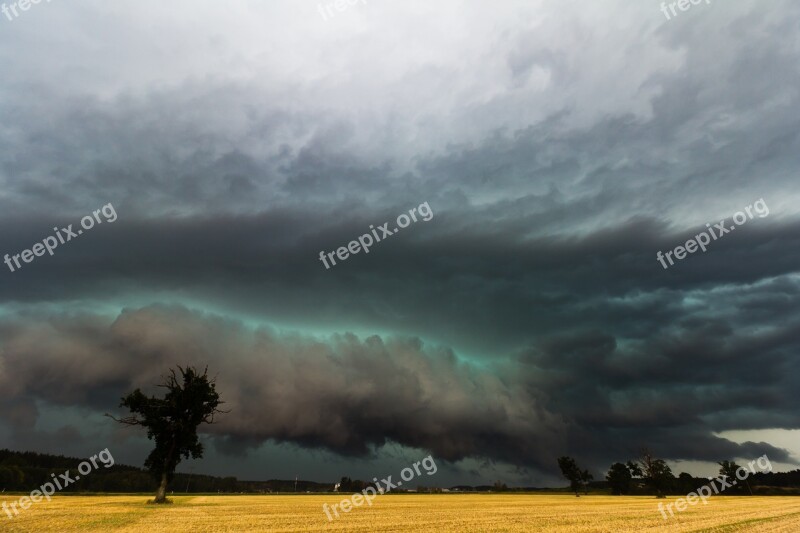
(648,475)
(350,485)
(25,471)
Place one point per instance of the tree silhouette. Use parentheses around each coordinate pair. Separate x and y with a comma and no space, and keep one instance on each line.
(619,478)
(729,469)
(586,477)
(172,421)
(656,472)
(635,469)
(570,470)
(499,486)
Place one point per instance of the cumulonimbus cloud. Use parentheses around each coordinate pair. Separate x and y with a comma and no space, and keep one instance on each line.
(345,394)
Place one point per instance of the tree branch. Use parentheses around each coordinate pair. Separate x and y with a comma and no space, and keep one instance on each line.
(127,420)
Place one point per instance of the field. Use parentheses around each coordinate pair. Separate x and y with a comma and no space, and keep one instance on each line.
(415,513)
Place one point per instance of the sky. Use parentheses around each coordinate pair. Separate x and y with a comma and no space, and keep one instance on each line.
(550,152)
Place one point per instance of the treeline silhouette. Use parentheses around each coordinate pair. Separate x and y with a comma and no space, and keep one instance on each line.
(648,475)
(26,471)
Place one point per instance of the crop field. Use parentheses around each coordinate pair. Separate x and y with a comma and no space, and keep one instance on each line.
(415,513)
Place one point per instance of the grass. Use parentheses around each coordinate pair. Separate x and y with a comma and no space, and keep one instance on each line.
(472,513)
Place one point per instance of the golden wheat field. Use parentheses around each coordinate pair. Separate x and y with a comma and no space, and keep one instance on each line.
(413,513)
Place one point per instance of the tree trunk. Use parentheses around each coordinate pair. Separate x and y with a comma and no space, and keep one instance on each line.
(161,493)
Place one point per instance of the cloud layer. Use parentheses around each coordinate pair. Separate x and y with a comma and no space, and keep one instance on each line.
(560,146)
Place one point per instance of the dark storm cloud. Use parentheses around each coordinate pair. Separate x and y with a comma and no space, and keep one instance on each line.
(704,347)
(352,396)
(671,391)
(553,184)
(346,395)
(481,283)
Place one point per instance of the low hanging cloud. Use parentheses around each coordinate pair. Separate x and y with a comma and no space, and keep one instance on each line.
(351,396)
(346,395)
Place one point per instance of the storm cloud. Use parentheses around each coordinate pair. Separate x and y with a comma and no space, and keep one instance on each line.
(560,146)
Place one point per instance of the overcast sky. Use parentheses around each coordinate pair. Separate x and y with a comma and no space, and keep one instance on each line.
(559,145)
